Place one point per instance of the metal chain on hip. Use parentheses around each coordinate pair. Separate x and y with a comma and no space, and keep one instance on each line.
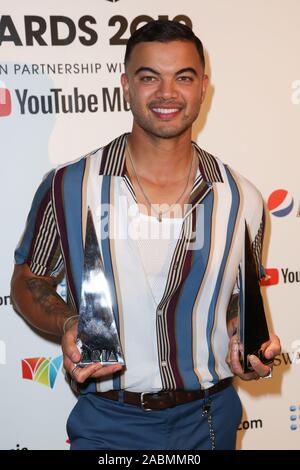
(206,412)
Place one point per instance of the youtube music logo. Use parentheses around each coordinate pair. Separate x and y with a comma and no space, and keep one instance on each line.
(272,277)
(282,275)
(5,100)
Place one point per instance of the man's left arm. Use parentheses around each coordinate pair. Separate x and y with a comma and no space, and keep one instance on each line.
(272,347)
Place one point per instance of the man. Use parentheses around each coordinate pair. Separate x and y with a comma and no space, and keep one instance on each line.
(170,295)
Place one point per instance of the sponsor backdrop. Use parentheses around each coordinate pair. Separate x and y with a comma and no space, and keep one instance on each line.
(60,97)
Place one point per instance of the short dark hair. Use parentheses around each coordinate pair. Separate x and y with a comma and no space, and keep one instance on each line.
(163,31)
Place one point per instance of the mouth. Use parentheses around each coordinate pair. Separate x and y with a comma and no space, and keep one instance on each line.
(165,113)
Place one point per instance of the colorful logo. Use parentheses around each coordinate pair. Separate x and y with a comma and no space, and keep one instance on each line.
(272,277)
(294,417)
(41,369)
(280,203)
(5,100)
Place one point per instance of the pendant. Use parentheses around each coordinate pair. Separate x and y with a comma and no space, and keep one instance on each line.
(159,216)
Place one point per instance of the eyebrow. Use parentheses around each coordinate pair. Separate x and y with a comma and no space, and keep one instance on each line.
(146,69)
(187,70)
(179,72)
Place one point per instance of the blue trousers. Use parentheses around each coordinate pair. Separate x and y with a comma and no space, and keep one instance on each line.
(96,423)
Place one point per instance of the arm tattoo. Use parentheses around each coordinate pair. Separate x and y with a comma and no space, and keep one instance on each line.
(44,294)
(233,307)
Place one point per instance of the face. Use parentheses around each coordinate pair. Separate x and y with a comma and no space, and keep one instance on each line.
(165,85)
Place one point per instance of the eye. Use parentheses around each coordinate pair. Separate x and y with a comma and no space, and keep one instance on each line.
(148,78)
(185,78)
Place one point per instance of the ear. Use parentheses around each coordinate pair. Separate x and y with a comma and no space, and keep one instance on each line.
(205,82)
(125,86)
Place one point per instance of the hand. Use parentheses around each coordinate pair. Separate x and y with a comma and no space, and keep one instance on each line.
(270,349)
(72,356)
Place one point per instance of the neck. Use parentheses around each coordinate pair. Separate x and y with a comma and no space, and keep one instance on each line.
(154,156)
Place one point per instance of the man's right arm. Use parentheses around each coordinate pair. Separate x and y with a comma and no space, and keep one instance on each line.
(34,296)
(36,299)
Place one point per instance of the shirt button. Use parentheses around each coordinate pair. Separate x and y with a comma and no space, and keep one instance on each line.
(176,266)
(163,363)
(159,313)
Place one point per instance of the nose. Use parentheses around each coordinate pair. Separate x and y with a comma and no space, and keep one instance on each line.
(167,89)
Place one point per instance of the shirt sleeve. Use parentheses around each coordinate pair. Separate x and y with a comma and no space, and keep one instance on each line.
(39,246)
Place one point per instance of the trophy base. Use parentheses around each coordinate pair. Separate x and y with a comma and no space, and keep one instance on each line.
(97,355)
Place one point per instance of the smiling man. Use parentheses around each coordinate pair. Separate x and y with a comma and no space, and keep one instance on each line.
(172,277)
(165,85)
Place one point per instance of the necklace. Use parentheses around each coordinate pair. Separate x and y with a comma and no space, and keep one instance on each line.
(160,213)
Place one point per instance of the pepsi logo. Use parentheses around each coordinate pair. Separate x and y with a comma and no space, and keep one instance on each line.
(280,203)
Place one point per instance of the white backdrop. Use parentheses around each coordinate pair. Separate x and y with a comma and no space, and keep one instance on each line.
(250,120)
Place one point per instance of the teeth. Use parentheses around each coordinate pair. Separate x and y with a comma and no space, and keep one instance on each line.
(165,111)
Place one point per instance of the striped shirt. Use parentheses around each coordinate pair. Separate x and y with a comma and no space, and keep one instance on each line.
(181,342)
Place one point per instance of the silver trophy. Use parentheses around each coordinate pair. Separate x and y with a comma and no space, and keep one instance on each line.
(253,328)
(98,338)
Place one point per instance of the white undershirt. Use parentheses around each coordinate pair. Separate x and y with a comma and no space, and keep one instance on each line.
(156,244)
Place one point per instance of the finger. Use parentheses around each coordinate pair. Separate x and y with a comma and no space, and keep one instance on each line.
(69,346)
(73,371)
(94,371)
(273,348)
(260,368)
(81,374)
(235,363)
(107,370)
(68,364)
(228,357)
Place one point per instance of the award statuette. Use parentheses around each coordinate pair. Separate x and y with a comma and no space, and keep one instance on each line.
(98,337)
(253,328)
